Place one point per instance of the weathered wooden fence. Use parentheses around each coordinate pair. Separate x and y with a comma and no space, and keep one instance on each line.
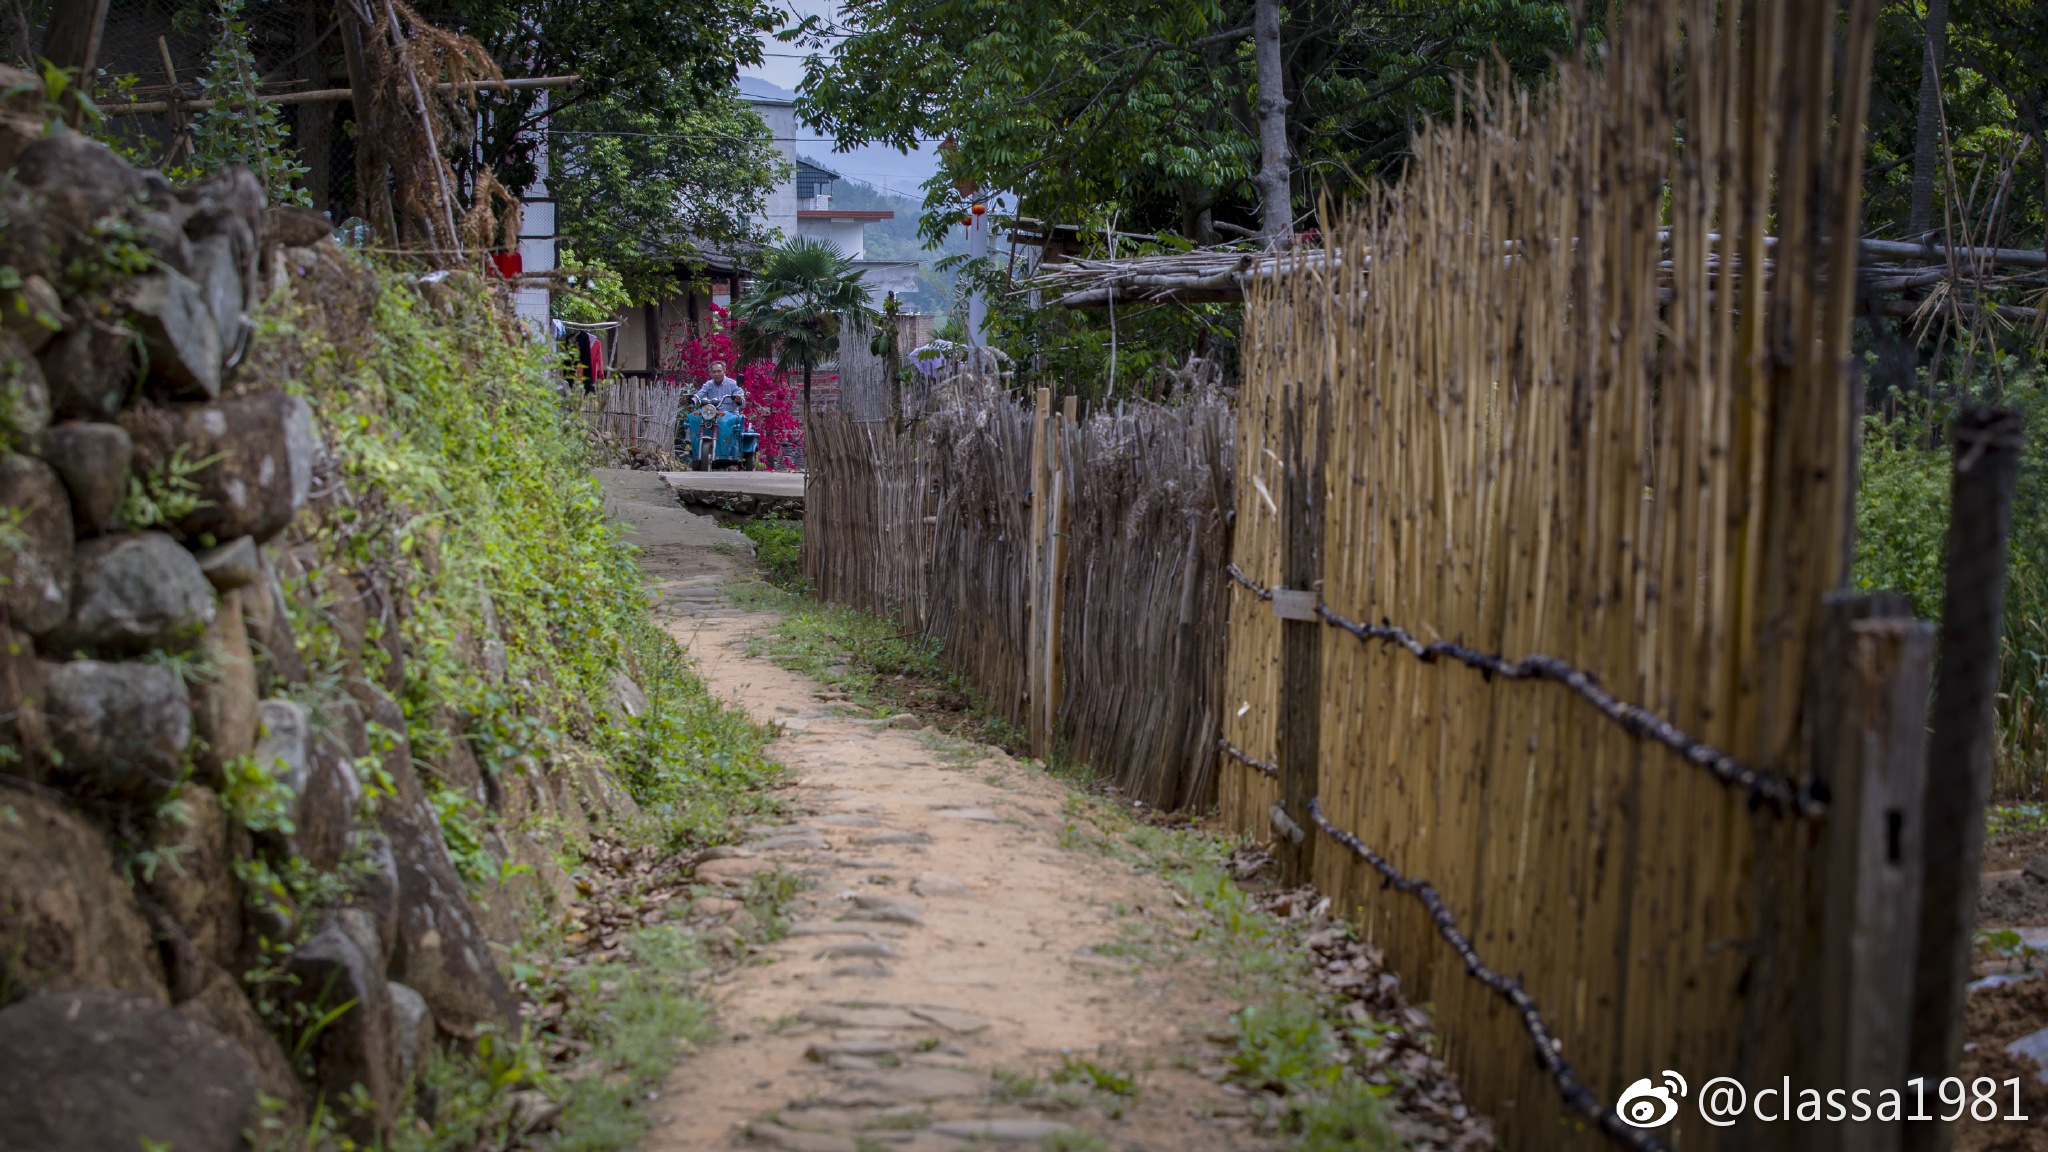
(1072,569)
(635,413)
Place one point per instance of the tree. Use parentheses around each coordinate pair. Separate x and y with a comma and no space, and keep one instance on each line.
(645,191)
(805,292)
(663,58)
(1149,104)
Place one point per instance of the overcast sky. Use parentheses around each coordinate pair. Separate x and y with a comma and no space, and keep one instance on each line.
(884,168)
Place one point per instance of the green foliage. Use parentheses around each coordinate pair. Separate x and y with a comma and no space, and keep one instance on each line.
(592,292)
(254,797)
(1287,1049)
(460,817)
(1901,514)
(643,189)
(115,251)
(2009,947)
(1352,1119)
(1076,105)
(632,1016)
(240,129)
(166,494)
(1088,1074)
(804,293)
(2014,820)
(778,543)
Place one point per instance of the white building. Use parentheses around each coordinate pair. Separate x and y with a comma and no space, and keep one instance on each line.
(802,204)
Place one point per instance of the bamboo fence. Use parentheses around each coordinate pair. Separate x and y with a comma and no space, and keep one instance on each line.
(1642,472)
(938,530)
(635,413)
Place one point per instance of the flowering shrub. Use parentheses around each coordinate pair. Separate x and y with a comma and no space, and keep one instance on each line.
(771,402)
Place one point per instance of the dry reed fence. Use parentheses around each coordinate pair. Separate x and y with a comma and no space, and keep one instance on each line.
(635,413)
(1527,447)
(936,530)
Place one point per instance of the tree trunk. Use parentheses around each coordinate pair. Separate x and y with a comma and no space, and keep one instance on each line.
(1276,200)
(807,392)
(1927,132)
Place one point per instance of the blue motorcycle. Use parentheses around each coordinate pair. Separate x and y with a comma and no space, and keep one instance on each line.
(713,438)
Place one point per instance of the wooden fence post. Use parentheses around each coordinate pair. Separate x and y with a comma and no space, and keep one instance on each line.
(1301,633)
(1034,623)
(1855,993)
(73,41)
(1987,457)
(1056,579)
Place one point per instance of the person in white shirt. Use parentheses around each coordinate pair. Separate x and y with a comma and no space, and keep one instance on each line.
(723,391)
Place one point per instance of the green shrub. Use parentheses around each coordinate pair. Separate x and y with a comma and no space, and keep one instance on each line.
(779,544)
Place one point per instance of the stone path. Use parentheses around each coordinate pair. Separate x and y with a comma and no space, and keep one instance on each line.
(947,936)
(687,559)
(781,484)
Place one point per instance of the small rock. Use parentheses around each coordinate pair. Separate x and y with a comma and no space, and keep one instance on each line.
(133,593)
(883,902)
(415,1027)
(868,968)
(93,461)
(743,922)
(71,166)
(178,333)
(67,916)
(952,1020)
(96,1069)
(224,704)
(934,885)
(986,815)
(820,1051)
(839,1016)
(888,915)
(359,1047)
(441,954)
(24,394)
(807,841)
(215,269)
(2037,869)
(35,315)
(261,446)
(632,701)
(89,370)
(193,879)
(732,870)
(35,569)
(790,1140)
(120,728)
(295,227)
(923,1084)
(894,838)
(905,721)
(837,928)
(852,948)
(284,742)
(848,821)
(1001,1131)
(235,564)
(324,816)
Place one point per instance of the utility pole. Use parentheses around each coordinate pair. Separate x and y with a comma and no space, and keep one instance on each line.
(1276,221)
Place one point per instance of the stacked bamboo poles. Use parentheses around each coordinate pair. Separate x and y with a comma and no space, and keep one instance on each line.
(1540,455)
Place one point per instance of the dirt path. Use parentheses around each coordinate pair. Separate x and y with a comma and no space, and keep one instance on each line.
(946,936)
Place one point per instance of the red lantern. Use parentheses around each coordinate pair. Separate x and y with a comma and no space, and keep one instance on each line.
(967,221)
(978,209)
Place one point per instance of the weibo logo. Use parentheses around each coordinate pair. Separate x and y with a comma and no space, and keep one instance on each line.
(1647,1105)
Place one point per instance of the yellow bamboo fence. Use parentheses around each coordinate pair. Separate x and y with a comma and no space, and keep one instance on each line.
(1553,393)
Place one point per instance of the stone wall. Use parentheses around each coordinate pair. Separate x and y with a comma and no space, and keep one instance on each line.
(168,758)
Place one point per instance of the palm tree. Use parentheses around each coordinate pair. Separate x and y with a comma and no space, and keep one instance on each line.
(805,292)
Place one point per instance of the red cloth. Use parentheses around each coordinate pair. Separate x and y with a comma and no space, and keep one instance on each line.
(509,264)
